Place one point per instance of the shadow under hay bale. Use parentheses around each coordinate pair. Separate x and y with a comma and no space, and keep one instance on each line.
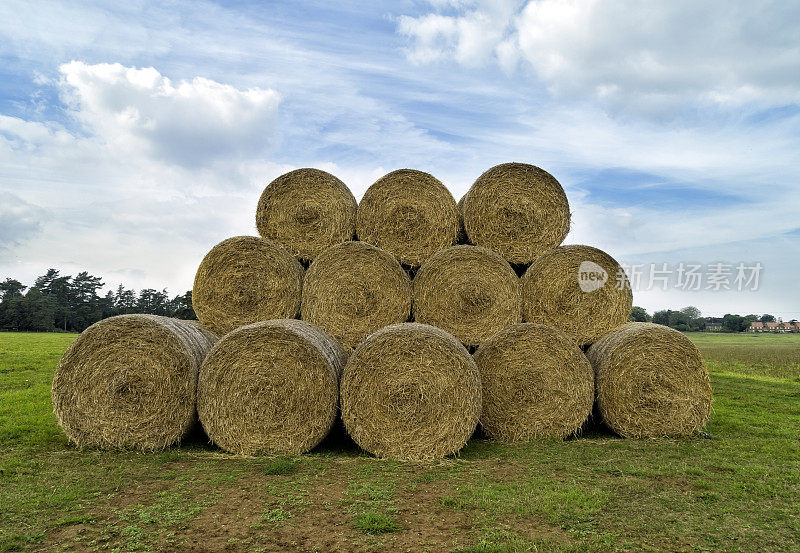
(410,214)
(517,210)
(243,280)
(270,387)
(580,290)
(537,383)
(410,391)
(130,382)
(353,289)
(470,292)
(306,211)
(651,382)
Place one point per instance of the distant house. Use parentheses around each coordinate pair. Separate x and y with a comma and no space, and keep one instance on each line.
(758,326)
(713,324)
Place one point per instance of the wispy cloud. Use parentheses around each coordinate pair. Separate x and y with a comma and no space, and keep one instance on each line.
(135,136)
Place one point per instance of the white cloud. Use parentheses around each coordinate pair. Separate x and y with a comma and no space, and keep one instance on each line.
(190,123)
(647,55)
(19,220)
(470,39)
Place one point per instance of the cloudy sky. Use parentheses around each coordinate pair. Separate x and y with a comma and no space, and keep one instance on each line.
(134,136)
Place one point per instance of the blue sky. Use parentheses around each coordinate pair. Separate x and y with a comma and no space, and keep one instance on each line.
(135,136)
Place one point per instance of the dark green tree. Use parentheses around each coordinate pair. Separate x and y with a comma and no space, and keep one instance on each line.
(180,307)
(734,323)
(153,302)
(39,311)
(11,288)
(124,301)
(639,315)
(767,318)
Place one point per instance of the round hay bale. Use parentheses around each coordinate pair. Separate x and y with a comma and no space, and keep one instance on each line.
(306,211)
(537,383)
(130,382)
(410,214)
(410,391)
(243,280)
(470,292)
(353,289)
(517,210)
(651,382)
(580,290)
(270,387)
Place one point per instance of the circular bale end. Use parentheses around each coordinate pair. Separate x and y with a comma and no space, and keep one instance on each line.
(353,289)
(517,210)
(270,387)
(306,211)
(537,383)
(410,391)
(130,382)
(651,382)
(580,290)
(243,280)
(410,214)
(470,292)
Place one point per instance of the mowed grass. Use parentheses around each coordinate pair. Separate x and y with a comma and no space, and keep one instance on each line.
(736,490)
(755,354)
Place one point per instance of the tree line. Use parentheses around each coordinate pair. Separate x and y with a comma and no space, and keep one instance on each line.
(72,303)
(690,319)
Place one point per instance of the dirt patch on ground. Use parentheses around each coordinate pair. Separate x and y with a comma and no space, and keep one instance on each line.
(312,510)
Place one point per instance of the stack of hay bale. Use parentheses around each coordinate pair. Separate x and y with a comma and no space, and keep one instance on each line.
(410,316)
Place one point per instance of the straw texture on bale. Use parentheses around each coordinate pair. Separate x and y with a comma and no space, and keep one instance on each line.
(130,382)
(353,289)
(410,214)
(517,210)
(580,290)
(246,279)
(470,292)
(270,387)
(306,211)
(537,383)
(651,382)
(410,391)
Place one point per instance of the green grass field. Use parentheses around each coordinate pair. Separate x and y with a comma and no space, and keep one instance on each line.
(736,490)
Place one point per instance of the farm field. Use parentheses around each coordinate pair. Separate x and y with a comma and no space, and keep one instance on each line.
(736,489)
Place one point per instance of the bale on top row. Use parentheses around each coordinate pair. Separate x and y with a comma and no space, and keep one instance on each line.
(410,214)
(306,211)
(516,209)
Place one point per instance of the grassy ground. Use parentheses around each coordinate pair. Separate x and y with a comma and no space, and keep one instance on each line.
(737,491)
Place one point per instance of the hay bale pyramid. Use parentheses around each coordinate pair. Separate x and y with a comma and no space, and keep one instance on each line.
(412,318)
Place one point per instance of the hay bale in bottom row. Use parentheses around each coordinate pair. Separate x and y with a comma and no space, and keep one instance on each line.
(537,383)
(270,387)
(130,382)
(410,391)
(651,382)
